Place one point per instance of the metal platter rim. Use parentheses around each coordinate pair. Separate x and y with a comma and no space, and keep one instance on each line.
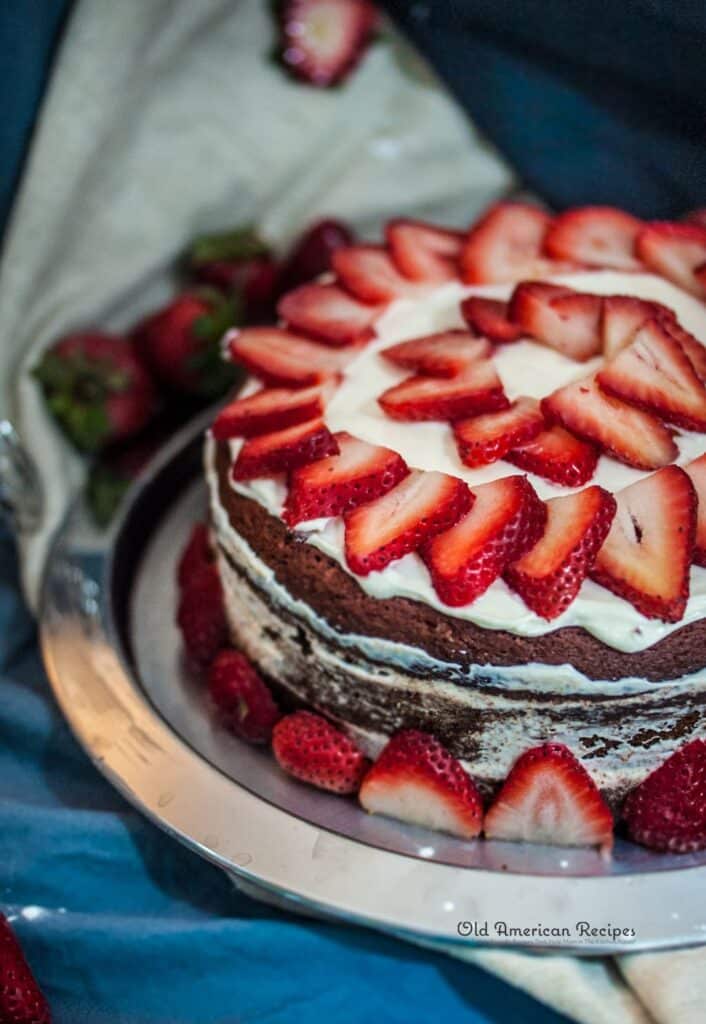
(317,870)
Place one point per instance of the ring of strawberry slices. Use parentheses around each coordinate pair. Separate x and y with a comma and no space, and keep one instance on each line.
(638,543)
(645,380)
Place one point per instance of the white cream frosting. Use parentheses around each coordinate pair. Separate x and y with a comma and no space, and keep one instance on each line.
(525,368)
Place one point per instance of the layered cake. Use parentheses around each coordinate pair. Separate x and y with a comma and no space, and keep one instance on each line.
(459,492)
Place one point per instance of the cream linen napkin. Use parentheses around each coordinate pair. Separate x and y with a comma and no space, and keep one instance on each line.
(164,119)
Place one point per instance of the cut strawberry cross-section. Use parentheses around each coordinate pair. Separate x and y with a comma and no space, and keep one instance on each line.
(491,319)
(549,797)
(599,236)
(506,519)
(477,389)
(423,252)
(667,811)
(283,450)
(439,355)
(486,438)
(416,780)
(282,359)
(696,471)
(268,410)
(623,316)
(563,319)
(630,435)
(370,275)
(654,373)
(692,347)
(675,251)
(328,313)
(549,576)
(646,556)
(556,455)
(322,40)
(505,245)
(422,505)
(360,472)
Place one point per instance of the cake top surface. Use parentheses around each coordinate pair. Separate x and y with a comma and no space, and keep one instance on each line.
(528,368)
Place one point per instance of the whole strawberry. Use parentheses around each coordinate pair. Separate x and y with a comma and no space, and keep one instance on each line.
(314,751)
(244,702)
(239,264)
(181,343)
(21,1000)
(96,388)
(196,554)
(668,810)
(201,616)
(312,252)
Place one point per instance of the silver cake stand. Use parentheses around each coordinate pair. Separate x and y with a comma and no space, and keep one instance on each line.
(113,657)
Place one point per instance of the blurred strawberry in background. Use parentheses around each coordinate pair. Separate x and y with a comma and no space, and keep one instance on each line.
(181,343)
(240,265)
(120,398)
(96,388)
(321,41)
(311,254)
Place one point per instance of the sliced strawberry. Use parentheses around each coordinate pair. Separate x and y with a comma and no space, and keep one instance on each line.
(696,472)
(556,455)
(549,797)
(700,275)
(623,316)
(422,505)
(549,576)
(329,487)
(646,556)
(655,374)
(416,780)
(439,355)
(563,319)
(505,519)
(477,389)
(282,359)
(599,236)
(491,319)
(629,434)
(322,40)
(691,346)
(486,438)
(368,273)
(423,252)
(667,811)
(505,244)
(314,751)
(328,313)
(283,450)
(243,700)
(675,251)
(268,410)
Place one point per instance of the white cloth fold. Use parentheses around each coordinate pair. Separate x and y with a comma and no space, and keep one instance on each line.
(165,119)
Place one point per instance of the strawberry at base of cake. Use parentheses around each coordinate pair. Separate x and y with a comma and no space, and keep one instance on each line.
(379,666)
